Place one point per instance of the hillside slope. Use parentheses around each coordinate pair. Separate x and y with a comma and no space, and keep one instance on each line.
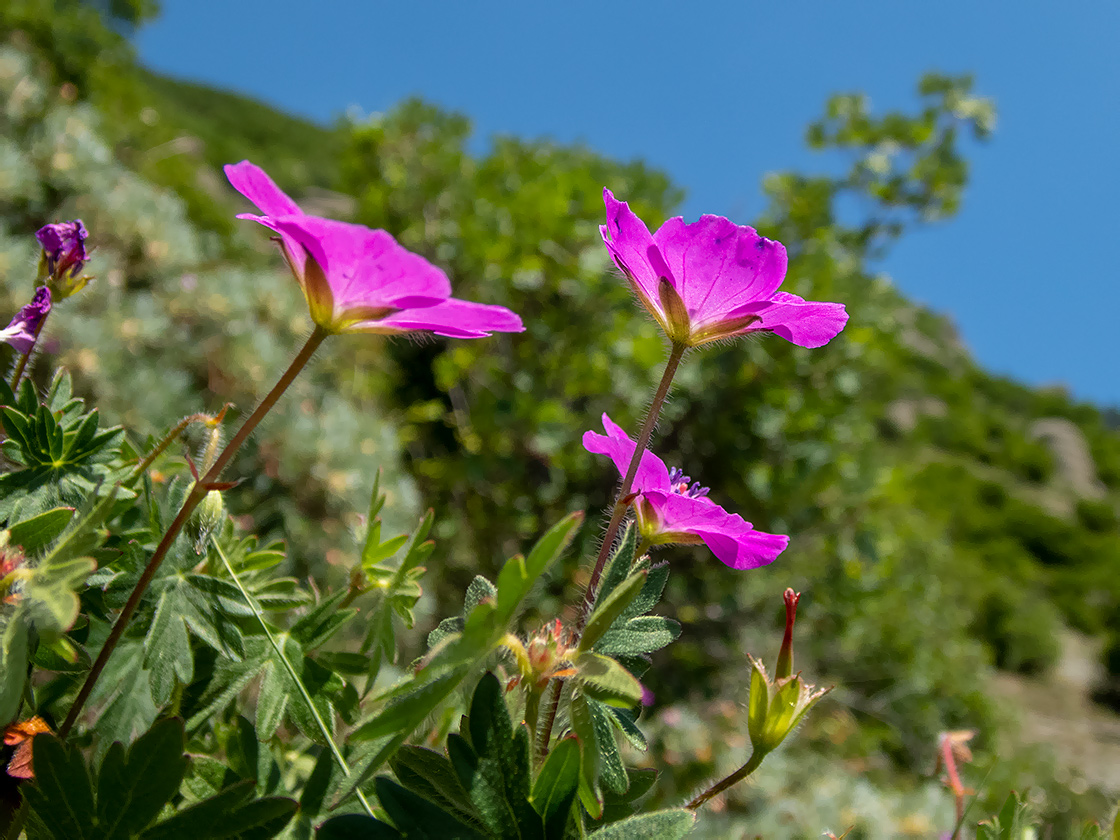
(946,523)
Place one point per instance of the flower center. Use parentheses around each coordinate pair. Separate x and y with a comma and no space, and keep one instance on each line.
(680,483)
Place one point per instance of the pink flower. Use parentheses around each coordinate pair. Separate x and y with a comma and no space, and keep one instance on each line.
(24,328)
(357,279)
(670,510)
(713,279)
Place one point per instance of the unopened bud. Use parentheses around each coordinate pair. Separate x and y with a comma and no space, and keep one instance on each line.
(64,257)
(208,518)
(785,655)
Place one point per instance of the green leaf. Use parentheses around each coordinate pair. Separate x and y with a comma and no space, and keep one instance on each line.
(610,608)
(612,771)
(167,650)
(549,547)
(356,827)
(408,708)
(555,789)
(38,531)
(417,818)
(132,789)
(430,775)
(583,726)
(62,796)
(641,635)
(607,681)
(13,667)
(620,565)
(660,825)
(493,766)
(228,814)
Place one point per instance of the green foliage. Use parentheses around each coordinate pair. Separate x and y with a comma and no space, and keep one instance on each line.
(60,454)
(481,789)
(124,797)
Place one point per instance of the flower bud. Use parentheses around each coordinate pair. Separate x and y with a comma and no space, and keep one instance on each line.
(208,518)
(775,707)
(64,257)
(785,655)
(23,329)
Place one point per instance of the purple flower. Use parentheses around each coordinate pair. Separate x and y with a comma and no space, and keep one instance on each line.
(24,328)
(357,279)
(713,279)
(671,510)
(64,257)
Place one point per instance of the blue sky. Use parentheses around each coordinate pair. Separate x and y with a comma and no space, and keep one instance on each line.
(720,96)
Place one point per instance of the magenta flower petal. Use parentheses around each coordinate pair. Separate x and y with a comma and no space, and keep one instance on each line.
(670,509)
(718,265)
(713,279)
(632,248)
(453,318)
(743,549)
(357,279)
(366,267)
(253,183)
(616,444)
(798,321)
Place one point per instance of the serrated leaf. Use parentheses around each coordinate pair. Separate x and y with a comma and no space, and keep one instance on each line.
(660,825)
(610,608)
(62,796)
(554,790)
(133,788)
(167,650)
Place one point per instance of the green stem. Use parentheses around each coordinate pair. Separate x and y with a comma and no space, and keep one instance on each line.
(197,494)
(722,785)
(21,365)
(620,506)
(544,734)
(339,759)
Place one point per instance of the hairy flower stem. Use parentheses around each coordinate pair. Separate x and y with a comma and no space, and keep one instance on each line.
(197,494)
(21,365)
(722,785)
(620,504)
(544,734)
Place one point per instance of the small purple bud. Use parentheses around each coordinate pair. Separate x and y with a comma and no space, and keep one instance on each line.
(24,328)
(64,257)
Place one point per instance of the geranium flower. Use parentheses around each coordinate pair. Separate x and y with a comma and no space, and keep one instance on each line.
(24,328)
(713,279)
(357,279)
(64,257)
(670,509)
